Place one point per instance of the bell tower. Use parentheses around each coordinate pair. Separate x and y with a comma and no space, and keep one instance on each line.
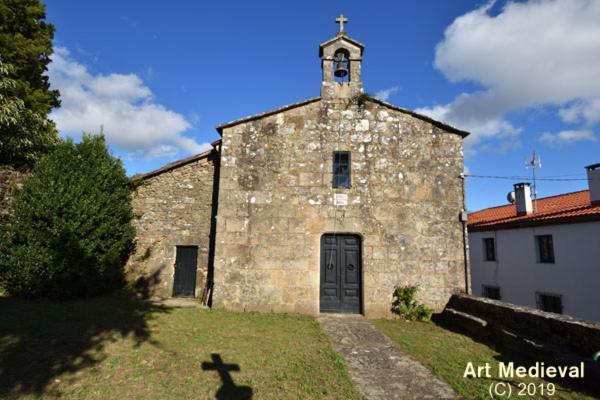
(341,58)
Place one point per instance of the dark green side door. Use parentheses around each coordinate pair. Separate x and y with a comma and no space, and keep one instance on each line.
(184,283)
(341,275)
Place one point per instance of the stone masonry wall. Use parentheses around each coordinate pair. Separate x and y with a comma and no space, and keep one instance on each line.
(276,201)
(173,208)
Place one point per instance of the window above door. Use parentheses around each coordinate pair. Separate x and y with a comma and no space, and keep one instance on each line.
(341,169)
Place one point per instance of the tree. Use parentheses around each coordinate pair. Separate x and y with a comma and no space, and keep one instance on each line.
(26,133)
(26,43)
(70,230)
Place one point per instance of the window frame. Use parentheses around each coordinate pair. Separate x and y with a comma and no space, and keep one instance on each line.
(541,240)
(484,292)
(539,302)
(485,249)
(333,170)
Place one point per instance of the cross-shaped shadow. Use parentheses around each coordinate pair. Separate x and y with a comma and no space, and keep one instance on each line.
(229,390)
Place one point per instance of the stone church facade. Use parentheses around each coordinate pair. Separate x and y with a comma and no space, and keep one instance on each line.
(320,206)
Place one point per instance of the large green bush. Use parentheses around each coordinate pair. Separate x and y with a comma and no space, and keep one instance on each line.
(70,230)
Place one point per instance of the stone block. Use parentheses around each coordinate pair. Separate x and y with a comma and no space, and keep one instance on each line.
(236,224)
(310,179)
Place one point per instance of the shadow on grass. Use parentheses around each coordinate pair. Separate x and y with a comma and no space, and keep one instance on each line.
(228,390)
(40,340)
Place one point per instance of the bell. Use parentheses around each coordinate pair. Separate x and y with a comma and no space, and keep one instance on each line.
(341,66)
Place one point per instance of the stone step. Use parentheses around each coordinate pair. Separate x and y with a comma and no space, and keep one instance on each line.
(463,322)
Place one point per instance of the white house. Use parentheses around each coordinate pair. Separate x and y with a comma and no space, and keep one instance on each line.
(544,255)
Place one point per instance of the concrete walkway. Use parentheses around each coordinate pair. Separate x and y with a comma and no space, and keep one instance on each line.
(379,368)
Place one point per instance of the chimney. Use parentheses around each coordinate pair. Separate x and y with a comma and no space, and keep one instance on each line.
(523,198)
(593,174)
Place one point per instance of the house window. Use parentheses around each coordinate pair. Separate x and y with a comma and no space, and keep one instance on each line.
(549,302)
(341,169)
(545,248)
(489,247)
(492,292)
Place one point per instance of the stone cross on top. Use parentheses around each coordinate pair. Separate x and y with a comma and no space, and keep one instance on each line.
(341,20)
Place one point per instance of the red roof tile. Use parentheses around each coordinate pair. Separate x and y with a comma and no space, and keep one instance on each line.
(564,208)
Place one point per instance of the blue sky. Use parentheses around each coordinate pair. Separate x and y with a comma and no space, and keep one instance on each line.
(159,76)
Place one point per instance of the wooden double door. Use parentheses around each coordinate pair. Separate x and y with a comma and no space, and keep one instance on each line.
(341,274)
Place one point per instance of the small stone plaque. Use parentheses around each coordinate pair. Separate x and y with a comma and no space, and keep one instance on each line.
(340,199)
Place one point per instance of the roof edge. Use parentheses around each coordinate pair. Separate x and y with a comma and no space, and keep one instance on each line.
(575,219)
(540,198)
(265,114)
(439,124)
(176,164)
(342,35)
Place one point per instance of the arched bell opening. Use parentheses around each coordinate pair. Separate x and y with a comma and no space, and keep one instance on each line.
(341,65)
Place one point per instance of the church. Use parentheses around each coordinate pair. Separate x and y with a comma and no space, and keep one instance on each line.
(324,205)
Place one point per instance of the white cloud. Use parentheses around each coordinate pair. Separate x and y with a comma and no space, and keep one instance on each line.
(163,150)
(585,111)
(477,113)
(567,137)
(118,87)
(385,94)
(540,52)
(122,105)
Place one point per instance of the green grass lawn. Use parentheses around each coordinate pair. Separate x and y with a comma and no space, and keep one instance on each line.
(116,348)
(447,353)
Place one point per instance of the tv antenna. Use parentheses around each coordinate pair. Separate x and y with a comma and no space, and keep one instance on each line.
(533,163)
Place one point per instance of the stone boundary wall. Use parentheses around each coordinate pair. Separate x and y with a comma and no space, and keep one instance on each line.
(567,333)
(10,182)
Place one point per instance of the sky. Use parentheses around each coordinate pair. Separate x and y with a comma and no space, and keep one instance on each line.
(157,77)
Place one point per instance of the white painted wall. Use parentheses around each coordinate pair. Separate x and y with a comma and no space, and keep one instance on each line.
(575,274)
